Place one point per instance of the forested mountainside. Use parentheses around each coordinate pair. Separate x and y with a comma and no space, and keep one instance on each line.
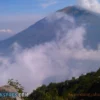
(86,87)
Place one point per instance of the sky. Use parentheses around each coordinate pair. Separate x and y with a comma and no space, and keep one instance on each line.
(32,6)
(17,15)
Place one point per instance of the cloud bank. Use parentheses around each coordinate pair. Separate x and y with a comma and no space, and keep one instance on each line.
(91,5)
(6,31)
(53,61)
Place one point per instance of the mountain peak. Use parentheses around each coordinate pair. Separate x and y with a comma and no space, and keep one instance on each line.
(75,11)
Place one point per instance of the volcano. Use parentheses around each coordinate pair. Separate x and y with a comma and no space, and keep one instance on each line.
(45,30)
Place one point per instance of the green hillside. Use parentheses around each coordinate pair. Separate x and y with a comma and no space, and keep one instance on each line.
(86,87)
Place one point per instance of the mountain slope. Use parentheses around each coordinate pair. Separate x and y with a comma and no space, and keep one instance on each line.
(91,21)
(45,31)
(86,87)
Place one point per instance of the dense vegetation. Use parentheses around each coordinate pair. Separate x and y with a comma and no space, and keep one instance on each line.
(86,87)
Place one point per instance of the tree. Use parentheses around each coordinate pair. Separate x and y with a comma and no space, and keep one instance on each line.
(16,85)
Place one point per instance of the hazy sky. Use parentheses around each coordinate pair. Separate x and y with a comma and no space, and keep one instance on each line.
(32,6)
(16,15)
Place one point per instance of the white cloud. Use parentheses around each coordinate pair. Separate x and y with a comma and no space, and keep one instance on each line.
(53,61)
(50,3)
(57,16)
(6,31)
(91,5)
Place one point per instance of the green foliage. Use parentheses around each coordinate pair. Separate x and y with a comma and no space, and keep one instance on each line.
(16,85)
(89,83)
